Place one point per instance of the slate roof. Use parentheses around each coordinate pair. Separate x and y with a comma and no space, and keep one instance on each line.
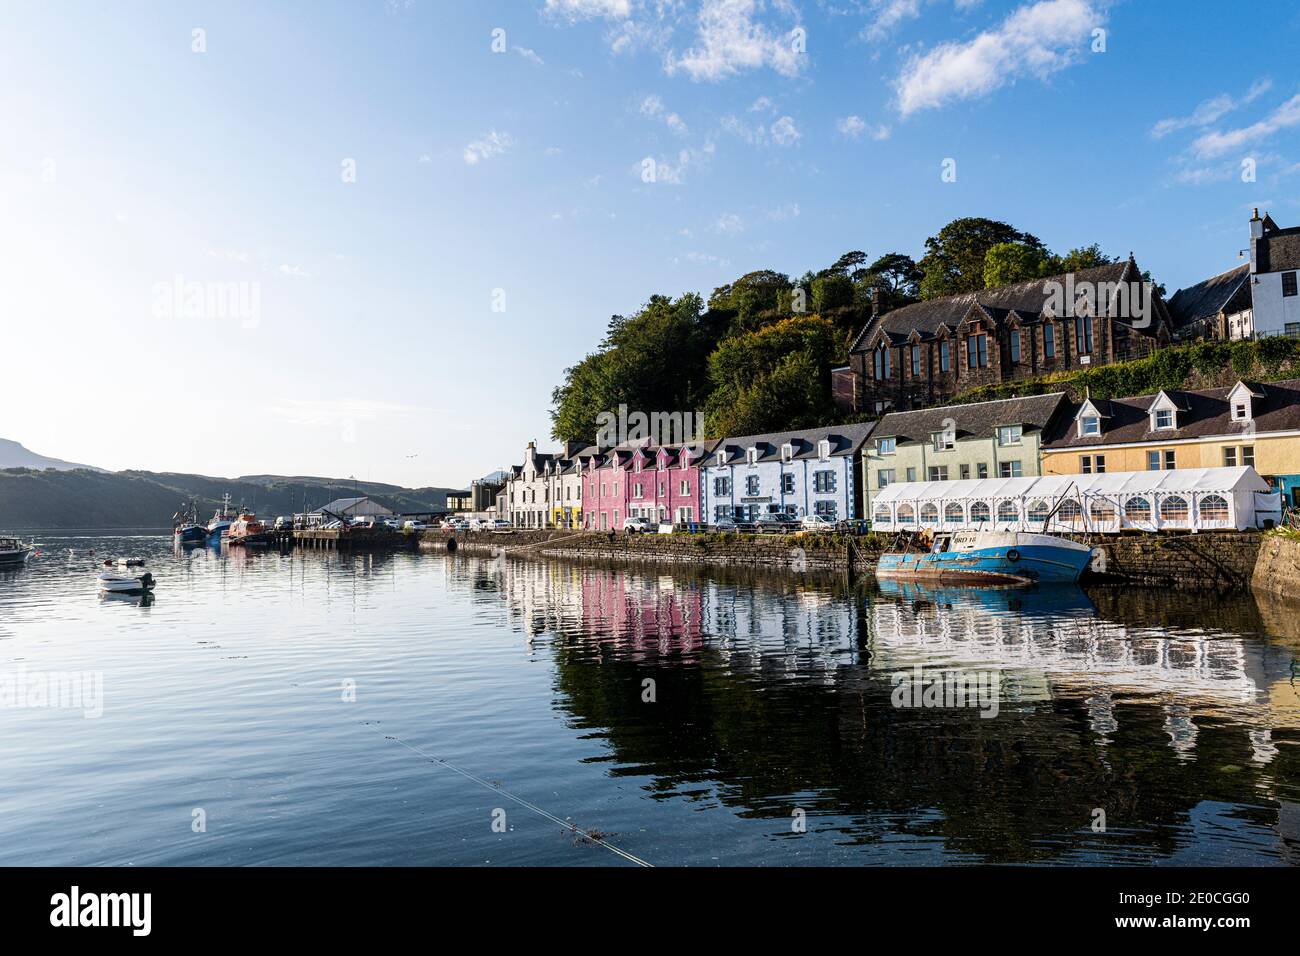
(978,420)
(1278,250)
(1027,298)
(1206,413)
(1208,298)
(844,439)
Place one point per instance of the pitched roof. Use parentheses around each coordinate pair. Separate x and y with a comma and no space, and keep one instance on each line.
(1278,250)
(977,420)
(1209,297)
(844,439)
(1027,298)
(1206,413)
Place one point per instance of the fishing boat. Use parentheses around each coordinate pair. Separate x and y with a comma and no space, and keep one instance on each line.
(987,557)
(114,582)
(221,521)
(248,530)
(186,528)
(13,551)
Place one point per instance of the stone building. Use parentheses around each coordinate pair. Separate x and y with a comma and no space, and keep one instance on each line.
(925,353)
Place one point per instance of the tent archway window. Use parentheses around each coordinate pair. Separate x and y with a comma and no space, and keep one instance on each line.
(906,514)
(1102,511)
(1070,511)
(1174,508)
(1137,509)
(1038,510)
(1007,511)
(954,512)
(1214,508)
(929,514)
(979,511)
(882,516)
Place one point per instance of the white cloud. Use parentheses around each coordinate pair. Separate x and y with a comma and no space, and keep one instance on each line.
(590,9)
(674,172)
(296,271)
(730,41)
(1210,110)
(854,127)
(762,105)
(654,106)
(783,212)
(784,132)
(729,224)
(890,13)
(1037,39)
(491,144)
(1216,143)
(530,55)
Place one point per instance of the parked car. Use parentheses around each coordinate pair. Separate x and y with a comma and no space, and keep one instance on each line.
(634,523)
(500,524)
(458,524)
(725,524)
(414,526)
(818,523)
(775,522)
(284,523)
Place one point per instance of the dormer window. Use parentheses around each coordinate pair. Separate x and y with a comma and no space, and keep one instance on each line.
(1010,434)
(721,458)
(823,449)
(1240,412)
(1089,425)
(886,446)
(943,441)
(1162,419)
(751,456)
(787,452)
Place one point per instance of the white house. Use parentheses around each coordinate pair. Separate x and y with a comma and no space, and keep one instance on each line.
(798,472)
(1274,264)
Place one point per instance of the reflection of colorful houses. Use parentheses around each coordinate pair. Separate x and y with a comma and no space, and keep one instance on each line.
(1251,423)
(640,609)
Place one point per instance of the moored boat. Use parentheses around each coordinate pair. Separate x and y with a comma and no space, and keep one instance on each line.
(221,521)
(116,583)
(248,530)
(988,557)
(13,551)
(186,528)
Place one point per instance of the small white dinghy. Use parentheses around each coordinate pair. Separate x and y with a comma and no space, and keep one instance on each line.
(115,583)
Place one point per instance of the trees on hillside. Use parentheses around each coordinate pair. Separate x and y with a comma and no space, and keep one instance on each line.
(954,259)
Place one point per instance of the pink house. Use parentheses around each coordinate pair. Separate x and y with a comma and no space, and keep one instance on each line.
(657,482)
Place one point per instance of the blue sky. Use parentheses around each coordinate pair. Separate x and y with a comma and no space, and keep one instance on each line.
(408,322)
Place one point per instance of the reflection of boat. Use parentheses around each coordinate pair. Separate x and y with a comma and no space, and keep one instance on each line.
(115,583)
(139,599)
(1053,600)
(13,551)
(988,557)
(248,530)
(221,521)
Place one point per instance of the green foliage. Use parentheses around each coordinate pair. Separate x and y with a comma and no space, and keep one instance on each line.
(1076,260)
(1243,358)
(832,291)
(954,259)
(1274,351)
(1009,262)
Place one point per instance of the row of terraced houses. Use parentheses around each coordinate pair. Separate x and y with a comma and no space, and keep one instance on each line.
(906,363)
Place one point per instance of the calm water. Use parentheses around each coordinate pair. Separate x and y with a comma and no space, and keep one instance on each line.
(230,695)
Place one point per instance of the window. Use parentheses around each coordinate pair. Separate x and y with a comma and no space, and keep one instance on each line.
(1007,511)
(906,515)
(977,351)
(1085,464)
(881,367)
(1090,425)
(1240,411)
(929,514)
(722,486)
(827,509)
(911,474)
(636,491)
(979,511)
(1174,509)
(1137,509)
(1288,283)
(945,356)
(751,456)
(884,477)
(1038,510)
(1164,418)
(787,484)
(1010,434)
(1248,455)
(685,488)
(1015,345)
(824,449)
(1170,463)
(1083,333)
(1214,508)
(886,446)
(1049,341)
(824,481)
(1102,511)
(751,485)
(1229,457)
(963,472)
(954,513)
(1070,512)
(787,452)
(938,472)
(982,470)
(916,361)
(1009,469)
(1153,461)
(943,441)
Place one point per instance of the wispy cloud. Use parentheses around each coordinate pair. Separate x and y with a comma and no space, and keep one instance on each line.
(782,132)
(653,106)
(530,55)
(1217,143)
(730,40)
(855,127)
(729,224)
(589,9)
(489,145)
(1210,110)
(1037,39)
(296,271)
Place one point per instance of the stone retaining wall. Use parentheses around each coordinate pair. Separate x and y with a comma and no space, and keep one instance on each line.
(1278,567)
(1210,560)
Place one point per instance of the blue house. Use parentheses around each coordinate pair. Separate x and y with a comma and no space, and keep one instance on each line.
(813,471)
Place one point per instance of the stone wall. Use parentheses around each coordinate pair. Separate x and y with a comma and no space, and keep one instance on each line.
(1278,567)
(1211,560)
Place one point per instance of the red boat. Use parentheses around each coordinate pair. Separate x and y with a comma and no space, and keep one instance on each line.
(248,530)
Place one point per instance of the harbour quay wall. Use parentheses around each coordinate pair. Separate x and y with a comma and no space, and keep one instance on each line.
(1208,560)
(1277,569)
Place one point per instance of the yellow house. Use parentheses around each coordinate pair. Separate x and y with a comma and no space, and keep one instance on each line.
(1249,424)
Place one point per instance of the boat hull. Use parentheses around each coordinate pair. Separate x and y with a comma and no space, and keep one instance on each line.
(10,558)
(192,534)
(1028,564)
(121,584)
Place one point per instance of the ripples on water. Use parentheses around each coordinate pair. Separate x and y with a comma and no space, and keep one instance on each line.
(1177,716)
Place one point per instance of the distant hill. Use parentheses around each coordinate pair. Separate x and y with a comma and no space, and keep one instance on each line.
(14,455)
(84,498)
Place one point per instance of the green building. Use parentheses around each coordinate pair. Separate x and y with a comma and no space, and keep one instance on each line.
(998,439)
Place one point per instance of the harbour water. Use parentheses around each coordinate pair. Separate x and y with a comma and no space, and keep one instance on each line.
(316,708)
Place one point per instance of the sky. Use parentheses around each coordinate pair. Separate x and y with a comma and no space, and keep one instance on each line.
(366,238)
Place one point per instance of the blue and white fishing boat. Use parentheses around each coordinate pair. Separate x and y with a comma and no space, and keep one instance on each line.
(988,557)
(186,528)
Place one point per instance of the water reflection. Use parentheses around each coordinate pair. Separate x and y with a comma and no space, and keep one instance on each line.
(772,695)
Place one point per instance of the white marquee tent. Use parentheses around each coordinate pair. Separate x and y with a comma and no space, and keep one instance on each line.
(1186,499)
